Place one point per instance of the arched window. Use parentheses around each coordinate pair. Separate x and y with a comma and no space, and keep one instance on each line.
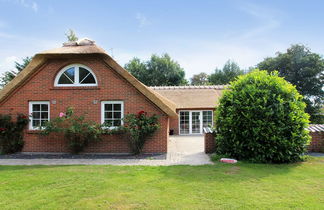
(76,75)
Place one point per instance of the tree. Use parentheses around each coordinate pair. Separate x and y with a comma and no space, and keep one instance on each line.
(229,72)
(10,75)
(157,71)
(261,118)
(200,79)
(71,36)
(305,70)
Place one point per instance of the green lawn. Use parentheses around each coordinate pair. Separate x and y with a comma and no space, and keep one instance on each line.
(219,186)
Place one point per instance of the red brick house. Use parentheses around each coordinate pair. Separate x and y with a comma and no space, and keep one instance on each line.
(89,80)
(84,76)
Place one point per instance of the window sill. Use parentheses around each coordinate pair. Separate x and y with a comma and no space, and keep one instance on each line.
(75,88)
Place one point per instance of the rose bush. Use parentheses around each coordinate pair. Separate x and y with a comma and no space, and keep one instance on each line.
(11,133)
(139,127)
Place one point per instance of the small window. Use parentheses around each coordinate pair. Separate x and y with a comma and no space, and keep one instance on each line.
(112,113)
(39,114)
(76,75)
(207,119)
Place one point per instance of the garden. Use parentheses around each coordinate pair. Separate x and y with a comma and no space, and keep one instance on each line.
(220,186)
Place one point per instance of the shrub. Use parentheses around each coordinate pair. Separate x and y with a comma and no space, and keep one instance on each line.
(139,127)
(78,131)
(11,133)
(261,118)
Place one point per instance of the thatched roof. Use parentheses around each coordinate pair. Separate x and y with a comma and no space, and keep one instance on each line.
(192,97)
(40,59)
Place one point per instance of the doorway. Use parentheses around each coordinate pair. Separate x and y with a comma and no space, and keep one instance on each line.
(192,122)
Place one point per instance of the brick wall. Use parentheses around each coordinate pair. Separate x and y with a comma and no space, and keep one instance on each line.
(40,87)
(174,125)
(317,142)
(209,142)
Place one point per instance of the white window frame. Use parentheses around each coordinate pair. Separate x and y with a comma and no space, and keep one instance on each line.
(76,76)
(31,103)
(190,121)
(103,103)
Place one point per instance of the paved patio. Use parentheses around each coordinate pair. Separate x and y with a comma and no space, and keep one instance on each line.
(183,150)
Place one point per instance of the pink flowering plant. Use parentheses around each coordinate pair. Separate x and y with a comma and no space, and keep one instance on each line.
(76,129)
(11,133)
(139,127)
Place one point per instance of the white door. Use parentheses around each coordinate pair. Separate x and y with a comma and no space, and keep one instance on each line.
(196,122)
(184,122)
(190,122)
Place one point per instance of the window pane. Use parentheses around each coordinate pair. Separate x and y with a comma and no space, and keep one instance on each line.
(108,107)
(117,122)
(70,73)
(117,115)
(44,115)
(44,107)
(207,118)
(108,115)
(117,107)
(36,123)
(89,80)
(36,115)
(86,77)
(64,80)
(108,123)
(36,107)
(83,73)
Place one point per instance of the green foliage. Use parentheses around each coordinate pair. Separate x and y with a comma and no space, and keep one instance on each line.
(200,79)
(71,36)
(139,127)
(229,72)
(10,75)
(305,70)
(261,118)
(157,71)
(25,62)
(11,133)
(78,131)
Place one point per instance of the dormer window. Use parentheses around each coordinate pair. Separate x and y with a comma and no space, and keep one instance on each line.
(76,75)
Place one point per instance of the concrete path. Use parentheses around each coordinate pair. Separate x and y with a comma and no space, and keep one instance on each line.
(182,150)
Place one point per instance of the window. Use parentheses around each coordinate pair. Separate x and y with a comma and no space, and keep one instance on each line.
(39,114)
(76,75)
(207,119)
(112,113)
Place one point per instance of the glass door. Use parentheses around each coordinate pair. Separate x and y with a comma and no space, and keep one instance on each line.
(184,122)
(195,122)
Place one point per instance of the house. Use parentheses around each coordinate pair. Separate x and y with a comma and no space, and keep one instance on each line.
(82,75)
(195,106)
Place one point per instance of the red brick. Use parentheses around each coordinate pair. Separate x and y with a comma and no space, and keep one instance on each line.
(111,86)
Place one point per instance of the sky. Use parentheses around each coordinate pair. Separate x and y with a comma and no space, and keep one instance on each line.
(200,35)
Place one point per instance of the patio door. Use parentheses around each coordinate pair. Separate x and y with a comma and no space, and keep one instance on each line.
(190,122)
(196,122)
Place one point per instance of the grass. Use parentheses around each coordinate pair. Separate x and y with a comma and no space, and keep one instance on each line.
(219,186)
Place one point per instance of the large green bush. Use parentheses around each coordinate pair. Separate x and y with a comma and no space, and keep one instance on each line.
(261,118)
